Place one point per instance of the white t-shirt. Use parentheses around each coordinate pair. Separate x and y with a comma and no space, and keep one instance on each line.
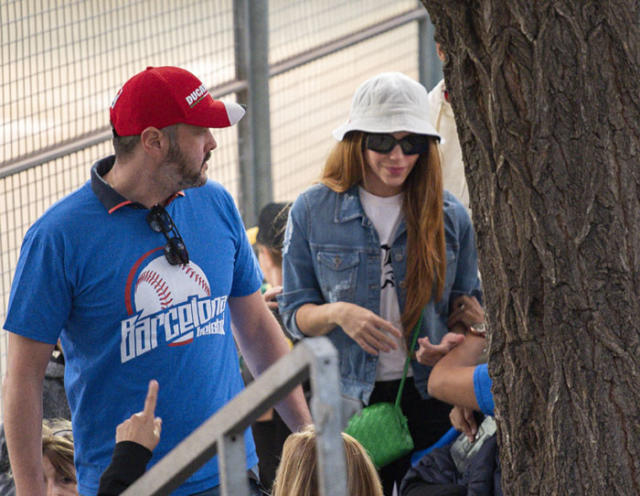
(385,214)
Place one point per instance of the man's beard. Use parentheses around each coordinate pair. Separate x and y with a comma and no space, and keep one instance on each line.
(187,177)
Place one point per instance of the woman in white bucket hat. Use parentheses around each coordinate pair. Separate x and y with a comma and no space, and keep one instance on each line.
(376,245)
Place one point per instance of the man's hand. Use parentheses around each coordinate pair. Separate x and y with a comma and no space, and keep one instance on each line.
(465,312)
(429,354)
(369,330)
(144,427)
(463,420)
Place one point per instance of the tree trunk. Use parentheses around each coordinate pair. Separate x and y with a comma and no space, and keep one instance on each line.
(546,96)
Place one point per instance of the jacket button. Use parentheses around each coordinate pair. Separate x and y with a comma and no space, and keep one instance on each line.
(403,284)
(336,261)
(399,257)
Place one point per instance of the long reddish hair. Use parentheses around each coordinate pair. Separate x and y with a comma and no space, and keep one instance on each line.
(423,213)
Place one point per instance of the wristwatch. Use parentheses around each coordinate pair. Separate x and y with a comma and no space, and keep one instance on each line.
(478,329)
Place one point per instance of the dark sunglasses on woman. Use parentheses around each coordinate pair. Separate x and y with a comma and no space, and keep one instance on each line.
(411,144)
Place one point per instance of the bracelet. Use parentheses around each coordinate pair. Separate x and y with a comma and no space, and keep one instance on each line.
(478,329)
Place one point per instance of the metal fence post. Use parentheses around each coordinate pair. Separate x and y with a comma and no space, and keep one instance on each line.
(429,65)
(232,459)
(251,27)
(326,409)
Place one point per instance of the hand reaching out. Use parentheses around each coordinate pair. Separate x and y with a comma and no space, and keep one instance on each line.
(143,427)
(429,354)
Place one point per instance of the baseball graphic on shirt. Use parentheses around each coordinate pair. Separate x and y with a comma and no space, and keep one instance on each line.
(161,285)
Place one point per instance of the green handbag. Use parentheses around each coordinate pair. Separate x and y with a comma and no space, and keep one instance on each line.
(382,428)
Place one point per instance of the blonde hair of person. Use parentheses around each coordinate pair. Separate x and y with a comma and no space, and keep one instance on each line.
(57,446)
(424,217)
(297,474)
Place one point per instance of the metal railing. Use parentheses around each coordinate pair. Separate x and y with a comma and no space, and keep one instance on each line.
(222,434)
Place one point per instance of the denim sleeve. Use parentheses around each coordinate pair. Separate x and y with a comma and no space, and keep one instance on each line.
(467,281)
(299,281)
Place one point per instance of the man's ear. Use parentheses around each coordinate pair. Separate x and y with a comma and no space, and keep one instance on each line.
(153,141)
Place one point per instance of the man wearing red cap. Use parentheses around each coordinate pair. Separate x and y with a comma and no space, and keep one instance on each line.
(140,280)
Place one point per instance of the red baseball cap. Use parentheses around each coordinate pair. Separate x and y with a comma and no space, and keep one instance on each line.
(163,96)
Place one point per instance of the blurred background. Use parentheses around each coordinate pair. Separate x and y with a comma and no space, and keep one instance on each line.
(295,64)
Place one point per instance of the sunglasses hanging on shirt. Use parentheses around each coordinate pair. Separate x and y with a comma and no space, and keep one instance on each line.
(175,250)
(412,144)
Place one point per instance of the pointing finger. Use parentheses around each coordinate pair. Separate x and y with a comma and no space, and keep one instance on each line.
(151,399)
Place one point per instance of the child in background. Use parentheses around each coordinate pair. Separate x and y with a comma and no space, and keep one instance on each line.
(57,458)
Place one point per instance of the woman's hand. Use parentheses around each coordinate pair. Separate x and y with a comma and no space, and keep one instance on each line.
(429,354)
(465,312)
(463,420)
(370,331)
(270,297)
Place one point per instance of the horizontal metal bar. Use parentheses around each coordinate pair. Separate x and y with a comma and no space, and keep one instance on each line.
(347,41)
(52,153)
(228,88)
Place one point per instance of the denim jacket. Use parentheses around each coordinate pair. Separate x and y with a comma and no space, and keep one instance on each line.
(331,253)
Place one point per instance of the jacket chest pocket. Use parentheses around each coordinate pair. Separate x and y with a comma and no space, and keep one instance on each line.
(337,275)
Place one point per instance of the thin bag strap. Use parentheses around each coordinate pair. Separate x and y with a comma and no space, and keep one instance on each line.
(416,330)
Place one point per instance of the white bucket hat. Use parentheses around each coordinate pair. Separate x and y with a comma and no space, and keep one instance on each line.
(387,103)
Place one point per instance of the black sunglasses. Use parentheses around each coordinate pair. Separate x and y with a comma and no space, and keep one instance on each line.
(159,220)
(411,144)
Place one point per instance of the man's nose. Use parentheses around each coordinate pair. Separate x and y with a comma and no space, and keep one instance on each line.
(211,142)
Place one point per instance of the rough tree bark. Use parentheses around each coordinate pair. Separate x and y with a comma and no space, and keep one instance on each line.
(546,96)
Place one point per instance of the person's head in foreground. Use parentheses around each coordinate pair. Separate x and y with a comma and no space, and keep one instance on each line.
(388,146)
(57,458)
(297,473)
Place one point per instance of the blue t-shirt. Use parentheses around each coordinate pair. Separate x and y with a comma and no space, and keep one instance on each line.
(99,280)
(482,388)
